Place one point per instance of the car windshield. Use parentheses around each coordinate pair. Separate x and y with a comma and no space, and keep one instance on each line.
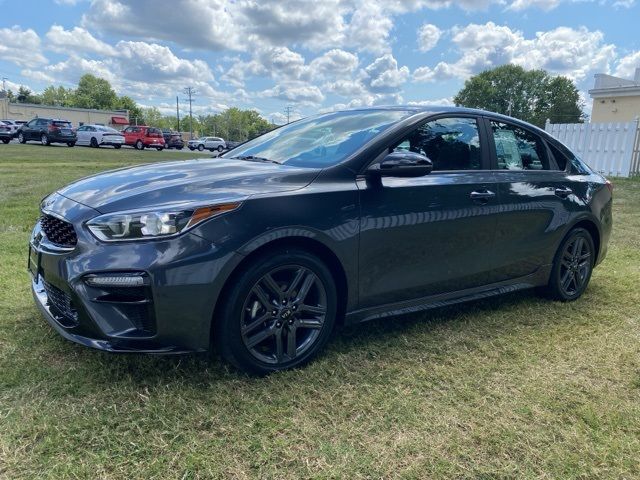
(321,140)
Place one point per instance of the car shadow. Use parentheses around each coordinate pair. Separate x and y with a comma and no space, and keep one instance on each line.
(207,370)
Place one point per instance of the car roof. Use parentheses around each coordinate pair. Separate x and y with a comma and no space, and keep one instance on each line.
(443,109)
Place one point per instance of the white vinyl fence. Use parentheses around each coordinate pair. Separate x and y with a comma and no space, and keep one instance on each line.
(609,148)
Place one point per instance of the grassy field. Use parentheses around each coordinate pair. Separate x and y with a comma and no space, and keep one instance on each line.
(514,387)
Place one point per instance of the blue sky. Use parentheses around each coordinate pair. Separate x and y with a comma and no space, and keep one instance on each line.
(314,55)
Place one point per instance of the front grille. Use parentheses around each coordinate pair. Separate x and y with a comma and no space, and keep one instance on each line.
(58,231)
(61,304)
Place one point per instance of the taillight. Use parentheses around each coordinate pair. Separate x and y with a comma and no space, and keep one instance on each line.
(52,128)
(609,185)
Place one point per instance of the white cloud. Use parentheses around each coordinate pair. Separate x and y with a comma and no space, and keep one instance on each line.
(21,47)
(384,76)
(334,63)
(627,65)
(574,53)
(77,40)
(428,36)
(295,93)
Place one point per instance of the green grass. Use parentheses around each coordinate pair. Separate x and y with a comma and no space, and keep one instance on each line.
(514,387)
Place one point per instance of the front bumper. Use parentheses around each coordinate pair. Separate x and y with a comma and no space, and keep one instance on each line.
(172,313)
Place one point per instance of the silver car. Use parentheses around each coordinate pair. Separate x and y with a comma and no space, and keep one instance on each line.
(208,143)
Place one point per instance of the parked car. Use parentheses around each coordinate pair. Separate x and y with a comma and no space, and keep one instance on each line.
(13,125)
(208,143)
(6,133)
(48,131)
(141,136)
(231,144)
(338,218)
(99,135)
(173,139)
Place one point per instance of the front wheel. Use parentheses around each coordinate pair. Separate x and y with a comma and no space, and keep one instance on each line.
(159,149)
(71,144)
(572,266)
(220,148)
(22,138)
(44,140)
(94,142)
(279,313)
(5,141)
(200,148)
(117,147)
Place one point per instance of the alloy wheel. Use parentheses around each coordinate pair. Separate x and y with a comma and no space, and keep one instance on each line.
(283,314)
(575,266)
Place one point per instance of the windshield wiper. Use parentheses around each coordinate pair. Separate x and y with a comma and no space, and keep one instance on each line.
(253,158)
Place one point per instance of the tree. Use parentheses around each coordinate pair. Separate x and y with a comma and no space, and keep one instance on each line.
(26,96)
(530,95)
(57,96)
(136,115)
(94,92)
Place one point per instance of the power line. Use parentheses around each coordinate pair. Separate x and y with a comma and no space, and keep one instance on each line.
(190,92)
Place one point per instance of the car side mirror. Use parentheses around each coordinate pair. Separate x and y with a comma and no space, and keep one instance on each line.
(402,164)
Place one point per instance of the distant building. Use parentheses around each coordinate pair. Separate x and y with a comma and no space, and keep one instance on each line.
(77,116)
(615,99)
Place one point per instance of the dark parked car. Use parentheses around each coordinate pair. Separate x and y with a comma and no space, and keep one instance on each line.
(173,139)
(48,131)
(339,218)
(231,144)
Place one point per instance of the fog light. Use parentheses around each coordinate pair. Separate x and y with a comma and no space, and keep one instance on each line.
(116,280)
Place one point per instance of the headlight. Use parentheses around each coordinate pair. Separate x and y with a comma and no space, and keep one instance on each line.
(161,223)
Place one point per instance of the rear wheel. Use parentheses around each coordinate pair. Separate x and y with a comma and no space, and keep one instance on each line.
(117,147)
(572,266)
(44,140)
(71,144)
(220,148)
(159,149)
(278,314)
(5,140)
(139,145)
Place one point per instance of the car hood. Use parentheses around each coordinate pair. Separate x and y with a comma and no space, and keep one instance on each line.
(185,182)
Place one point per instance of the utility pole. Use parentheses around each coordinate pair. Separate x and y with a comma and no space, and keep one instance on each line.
(190,92)
(178,112)
(287,111)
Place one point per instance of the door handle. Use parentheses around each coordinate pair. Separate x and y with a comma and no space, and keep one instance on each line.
(482,196)
(563,192)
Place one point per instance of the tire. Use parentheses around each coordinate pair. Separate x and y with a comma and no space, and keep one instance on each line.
(139,145)
(5,141)
(200,148)
(94,142)
(117,147)
(251,325)
(71,144)
(178,148)
(159,148)
(572,267)
(220,148)
(192,148)
(44,140)
(21,138)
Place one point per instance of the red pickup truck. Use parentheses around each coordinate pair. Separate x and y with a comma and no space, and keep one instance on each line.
(141,136)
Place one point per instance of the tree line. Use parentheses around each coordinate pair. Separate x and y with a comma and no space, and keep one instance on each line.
(97,93)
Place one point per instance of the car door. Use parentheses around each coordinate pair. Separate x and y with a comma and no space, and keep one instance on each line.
(81,133)
(29,129)
(432,234)
(535,200)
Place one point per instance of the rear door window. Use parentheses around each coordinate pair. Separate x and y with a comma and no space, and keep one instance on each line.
(517,148)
